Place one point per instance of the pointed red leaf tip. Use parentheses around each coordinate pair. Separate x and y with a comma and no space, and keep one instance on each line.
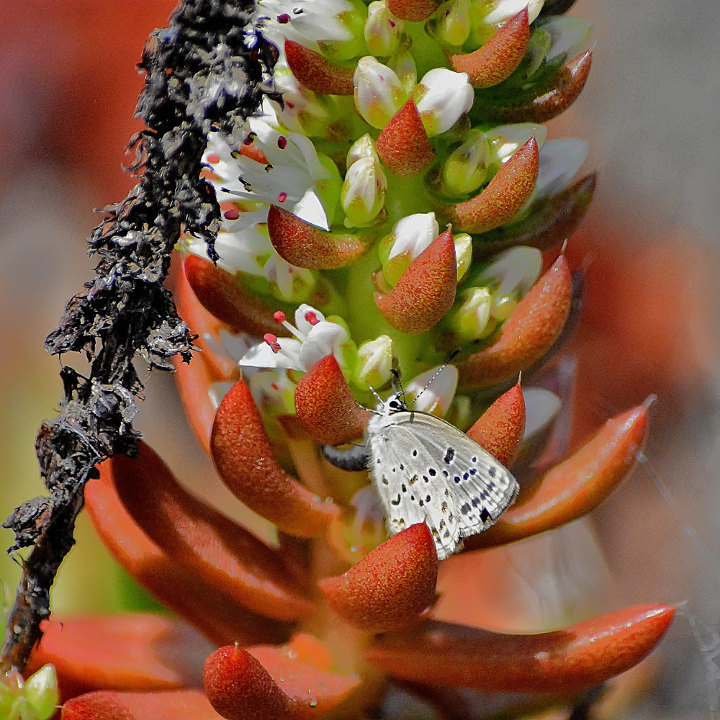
(565,660)
(316,73)
(413,10)
(527,335)
(403,144)
(204,541)
(325,406)
(426,290)
(566,88)
(266,683)
(219,292)
(126,652)
(214,611)
(499,56)
(390,586)
(245,461)
(577,485)
(110,705)
(307,246)
(503,196)
(499,430)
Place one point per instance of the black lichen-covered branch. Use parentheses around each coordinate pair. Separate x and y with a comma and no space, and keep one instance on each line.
(206,72)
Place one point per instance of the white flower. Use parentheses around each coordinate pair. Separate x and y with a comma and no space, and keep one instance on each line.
(315,338)
(499,11)
(442,96)
(294,176)
(560,161)
(383,31)
(504,140)
(569,36)
(308,22)
(363,192)
(433,391)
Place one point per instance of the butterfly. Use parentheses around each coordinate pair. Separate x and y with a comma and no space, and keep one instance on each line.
(426,470)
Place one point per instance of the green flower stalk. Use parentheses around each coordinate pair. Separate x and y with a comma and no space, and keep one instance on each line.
(391,241)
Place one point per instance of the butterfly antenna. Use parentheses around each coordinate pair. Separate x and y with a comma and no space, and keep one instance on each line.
(377,397)
(449,359)
(397,386)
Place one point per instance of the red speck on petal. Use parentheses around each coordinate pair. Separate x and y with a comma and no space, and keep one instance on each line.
(213,159)
(279,317)
(283,18)
(233,214)
(282,142)
(282,197)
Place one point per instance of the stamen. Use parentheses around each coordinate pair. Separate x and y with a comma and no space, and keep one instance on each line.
(232,214)
(279,317)
(213,159)
(250,138)
(311,317)
(283,18)
(272,341)
(282,142)
(282,197)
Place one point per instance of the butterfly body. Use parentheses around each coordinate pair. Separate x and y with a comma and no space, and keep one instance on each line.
(426,470)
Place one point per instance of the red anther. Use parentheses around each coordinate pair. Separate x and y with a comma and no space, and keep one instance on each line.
(282,142)
(279,317)
(233,214)
(249,138)
(272,341)
(282,197)
(311,317)
(213,158)
(283,19)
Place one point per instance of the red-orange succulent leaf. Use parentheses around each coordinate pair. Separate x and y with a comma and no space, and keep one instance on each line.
(325,406)
(312,690)
(317,73)
(577,485)
(527,335)
(221,294)
(308,246)
(403,144)
(500,428)
(498,57)
(548,225)
(539,109)
(576,657)
(425,291)
(202,540)
(390,586)
(111,705)
(413,10)
(502,198)
(138,652)
(246,463)
(213,611)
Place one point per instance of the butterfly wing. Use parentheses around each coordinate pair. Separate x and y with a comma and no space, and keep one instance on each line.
(482,486)
(403,471)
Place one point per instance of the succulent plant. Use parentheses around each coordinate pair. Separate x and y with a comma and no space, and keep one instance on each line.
(400,202)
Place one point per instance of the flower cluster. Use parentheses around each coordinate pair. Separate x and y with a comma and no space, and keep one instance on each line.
(402,205)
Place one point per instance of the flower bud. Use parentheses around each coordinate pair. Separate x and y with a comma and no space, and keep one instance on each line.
(463,253)
(350,20)
(472,320)
(504,140)
(569,35)
(410,236)
(383,31)
(433,390)
(362,148)
(374,363)
(378,91)
(403,65)
(487,16)
(41,691)
(441,98)
(466,168)
(288,282)
(452,22)
(363,192)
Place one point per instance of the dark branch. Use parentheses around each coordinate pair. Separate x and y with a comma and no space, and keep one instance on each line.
(205,73)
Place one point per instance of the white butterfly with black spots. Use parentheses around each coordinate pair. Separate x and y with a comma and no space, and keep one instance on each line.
(426,470)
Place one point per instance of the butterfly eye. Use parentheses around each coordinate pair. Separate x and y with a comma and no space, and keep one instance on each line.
(395,405)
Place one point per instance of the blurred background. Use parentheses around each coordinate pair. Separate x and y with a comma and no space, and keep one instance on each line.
(651,243)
